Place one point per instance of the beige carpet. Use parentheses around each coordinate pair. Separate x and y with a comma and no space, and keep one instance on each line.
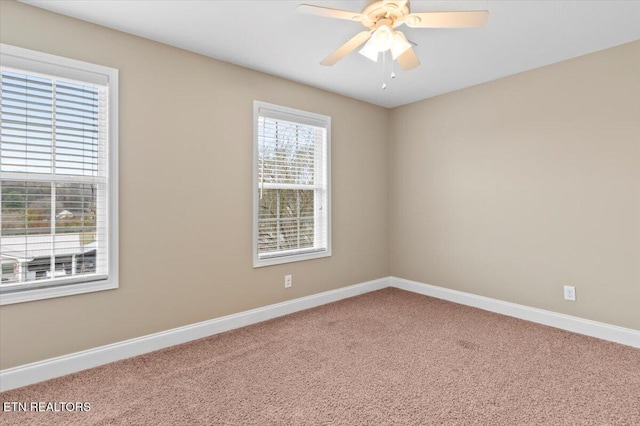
(388,357)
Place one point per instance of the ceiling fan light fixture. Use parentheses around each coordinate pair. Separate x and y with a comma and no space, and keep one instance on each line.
(400,45)
(370,50)
(383,38)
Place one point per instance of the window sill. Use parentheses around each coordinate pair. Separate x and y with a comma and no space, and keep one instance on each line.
(51,292)
(277,260)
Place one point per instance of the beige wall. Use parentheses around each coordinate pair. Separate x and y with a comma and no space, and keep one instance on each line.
(186,193)
(513,188)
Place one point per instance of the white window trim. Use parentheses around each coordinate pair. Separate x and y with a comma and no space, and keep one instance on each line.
(57,66)
(305,254)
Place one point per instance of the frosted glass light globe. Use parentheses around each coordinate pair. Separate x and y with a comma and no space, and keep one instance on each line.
(383,38)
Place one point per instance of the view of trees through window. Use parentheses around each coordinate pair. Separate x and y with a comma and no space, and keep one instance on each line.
(287,186)
(27,208)
(286,220)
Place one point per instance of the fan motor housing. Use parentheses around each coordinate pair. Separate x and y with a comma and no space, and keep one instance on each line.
(379,10)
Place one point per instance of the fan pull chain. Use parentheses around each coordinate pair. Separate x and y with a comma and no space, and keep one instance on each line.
(393,73)
(384,62)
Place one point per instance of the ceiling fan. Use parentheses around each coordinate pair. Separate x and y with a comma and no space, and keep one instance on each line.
(381,18)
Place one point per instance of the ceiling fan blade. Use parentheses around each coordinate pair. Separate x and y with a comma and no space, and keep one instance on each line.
(408,60)
(329,12)
(347,48)
(467,19)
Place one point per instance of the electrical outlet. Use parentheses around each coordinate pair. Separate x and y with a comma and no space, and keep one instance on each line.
(570,293)
(287,281)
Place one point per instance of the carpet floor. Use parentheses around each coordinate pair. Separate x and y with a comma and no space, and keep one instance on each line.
(386,357)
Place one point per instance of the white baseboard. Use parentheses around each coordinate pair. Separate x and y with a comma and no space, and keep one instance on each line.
(612,333)
(23,375)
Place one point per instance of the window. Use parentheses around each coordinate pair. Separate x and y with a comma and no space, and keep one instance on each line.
(292,199)
(58,176)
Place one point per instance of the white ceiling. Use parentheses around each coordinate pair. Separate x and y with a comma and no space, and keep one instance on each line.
(269,36)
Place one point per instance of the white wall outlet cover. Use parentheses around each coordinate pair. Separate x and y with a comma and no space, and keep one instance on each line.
(570,293)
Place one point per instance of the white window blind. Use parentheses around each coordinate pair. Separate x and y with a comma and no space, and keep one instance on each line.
(292,198)
(54,178)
